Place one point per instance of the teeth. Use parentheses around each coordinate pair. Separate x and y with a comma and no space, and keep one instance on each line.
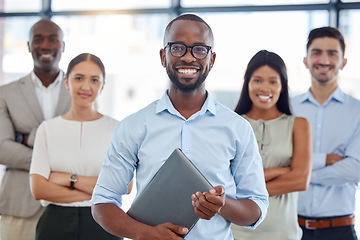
(263,97)
(187,71)
(46,56)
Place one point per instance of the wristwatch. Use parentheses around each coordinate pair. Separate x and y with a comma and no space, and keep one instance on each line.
(73,179)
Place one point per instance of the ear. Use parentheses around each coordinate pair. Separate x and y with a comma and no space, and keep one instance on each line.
(102,87)
(305,62)
(212,59)
(66,82)
(28,46)
(343,63)
(163,57)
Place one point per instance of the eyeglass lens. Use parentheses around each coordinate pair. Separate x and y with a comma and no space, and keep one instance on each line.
(179,50)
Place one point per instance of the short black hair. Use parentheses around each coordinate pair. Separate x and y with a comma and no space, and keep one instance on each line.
(274,61)
(326,32)
(189,17)
(82,58)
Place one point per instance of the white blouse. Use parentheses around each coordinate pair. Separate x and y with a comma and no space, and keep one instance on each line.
(73,147)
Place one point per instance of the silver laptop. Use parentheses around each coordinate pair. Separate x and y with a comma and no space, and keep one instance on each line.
(167,197)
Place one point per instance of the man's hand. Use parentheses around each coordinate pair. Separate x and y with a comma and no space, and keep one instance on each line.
(207,204)
(164,231)
(333,158)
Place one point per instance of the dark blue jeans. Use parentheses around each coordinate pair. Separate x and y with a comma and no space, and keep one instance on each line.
(333,233)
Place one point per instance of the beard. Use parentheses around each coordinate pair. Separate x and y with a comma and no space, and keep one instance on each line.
(326,78)
(186,88)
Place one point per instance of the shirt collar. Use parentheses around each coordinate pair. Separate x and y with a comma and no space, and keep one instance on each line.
(164,103)
(337,95)
(37,82)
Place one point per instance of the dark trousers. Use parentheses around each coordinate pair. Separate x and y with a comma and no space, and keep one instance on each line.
(333,233)
(70,223)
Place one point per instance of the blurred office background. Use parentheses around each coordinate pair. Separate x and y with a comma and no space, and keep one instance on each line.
(127,36)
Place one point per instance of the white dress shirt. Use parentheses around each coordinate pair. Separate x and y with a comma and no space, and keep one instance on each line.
(47,96)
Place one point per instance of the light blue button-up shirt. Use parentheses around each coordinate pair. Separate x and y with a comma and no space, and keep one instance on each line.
(335,129)
(220,143)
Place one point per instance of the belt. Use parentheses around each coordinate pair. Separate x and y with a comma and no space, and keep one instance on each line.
(327,223)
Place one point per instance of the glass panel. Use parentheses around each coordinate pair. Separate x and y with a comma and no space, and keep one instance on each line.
(20,5)
(210,3)
(14,48)
(252,32)
(63,5)
(350,24)
(129,47)
(350,1)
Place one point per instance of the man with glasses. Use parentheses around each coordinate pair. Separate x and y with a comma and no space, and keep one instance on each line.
(219,143)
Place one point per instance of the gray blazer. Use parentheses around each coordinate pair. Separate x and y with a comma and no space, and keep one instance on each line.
(20,112)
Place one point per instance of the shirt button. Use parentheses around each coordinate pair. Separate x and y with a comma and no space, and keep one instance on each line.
(319,125)
(187,150)
(187,122)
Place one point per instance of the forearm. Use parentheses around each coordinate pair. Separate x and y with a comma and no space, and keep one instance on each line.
(42,189)
(272,173)
(345,171)
(243,212)
(84,183)
(290,182)
(15,155)
(114,220)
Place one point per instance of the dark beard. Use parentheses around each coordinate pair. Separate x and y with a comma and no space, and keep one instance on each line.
(186,88)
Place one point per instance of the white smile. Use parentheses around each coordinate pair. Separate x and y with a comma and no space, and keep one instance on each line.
(265,98)
(187,71)
(46,56)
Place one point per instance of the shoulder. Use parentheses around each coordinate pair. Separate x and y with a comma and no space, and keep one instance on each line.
(301,124)
(16,83)
(10,89)
(297,98)
(224,110)
(54,122)
(141,115)
(109,120)
(350,100)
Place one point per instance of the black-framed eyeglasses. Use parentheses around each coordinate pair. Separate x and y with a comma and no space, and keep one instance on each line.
(198,51)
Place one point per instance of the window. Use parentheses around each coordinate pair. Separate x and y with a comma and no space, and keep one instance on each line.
(20,5)
(71,5)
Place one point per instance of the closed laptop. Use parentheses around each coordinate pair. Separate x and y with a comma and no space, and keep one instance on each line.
(167,197)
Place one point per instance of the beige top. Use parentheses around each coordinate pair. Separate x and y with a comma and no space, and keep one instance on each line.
(275,140)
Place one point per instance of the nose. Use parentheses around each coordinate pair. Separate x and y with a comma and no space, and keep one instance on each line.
(324,59)
(264,87)
(85,85)
(46,44)
(188,57)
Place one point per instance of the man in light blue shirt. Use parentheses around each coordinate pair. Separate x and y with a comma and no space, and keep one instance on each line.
(326,208)
(219,143)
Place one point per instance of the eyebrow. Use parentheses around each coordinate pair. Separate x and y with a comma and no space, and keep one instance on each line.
(80,74)
(320,50)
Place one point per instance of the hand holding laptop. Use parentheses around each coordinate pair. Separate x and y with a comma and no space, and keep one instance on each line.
(207,204)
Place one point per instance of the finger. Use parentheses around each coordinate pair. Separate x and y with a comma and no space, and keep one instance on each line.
(215,199)
(204,206)
(177,229)
(218,190)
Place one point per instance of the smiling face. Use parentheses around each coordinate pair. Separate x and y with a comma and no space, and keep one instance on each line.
(187,73)
(264,88)
(324,59)
(85,83)
(46,46)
